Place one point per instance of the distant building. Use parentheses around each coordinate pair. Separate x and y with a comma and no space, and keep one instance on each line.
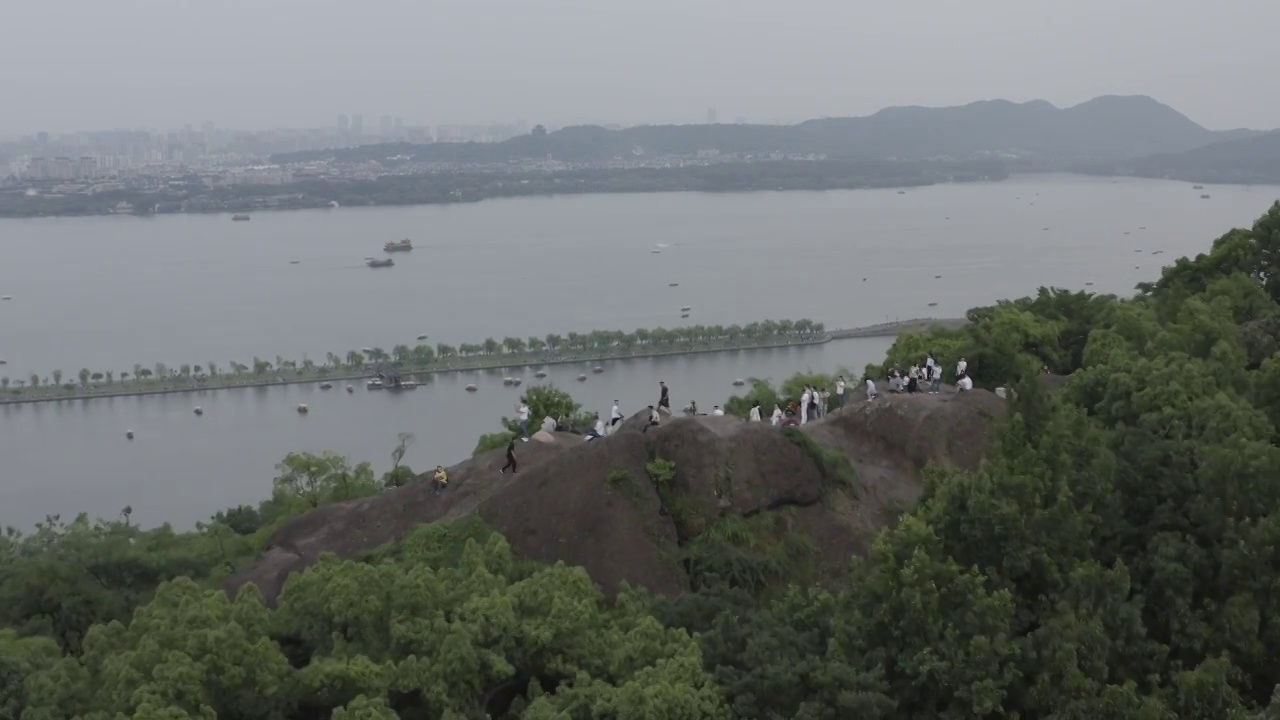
(386,125)
(344,125)
(711,116)
(357,124)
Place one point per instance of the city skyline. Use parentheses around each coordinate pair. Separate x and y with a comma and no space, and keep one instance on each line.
(287,63)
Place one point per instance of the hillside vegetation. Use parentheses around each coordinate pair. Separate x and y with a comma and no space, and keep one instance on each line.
(1115,555)
(1247,160)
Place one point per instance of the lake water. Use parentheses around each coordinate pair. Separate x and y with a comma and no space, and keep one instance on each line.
(106,293)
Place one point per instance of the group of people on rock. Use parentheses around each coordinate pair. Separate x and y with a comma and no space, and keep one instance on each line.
(813,404)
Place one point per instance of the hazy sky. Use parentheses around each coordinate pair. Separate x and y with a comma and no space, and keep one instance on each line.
(93,64)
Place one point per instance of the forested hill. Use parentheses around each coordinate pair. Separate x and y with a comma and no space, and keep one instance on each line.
(1105,128)
(1115,556)
(1249,160)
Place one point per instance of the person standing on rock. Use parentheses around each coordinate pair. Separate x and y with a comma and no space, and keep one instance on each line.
(754,416)
(776,417)
(871,390)
(806,399)
(615,417)
(664,398)
(441,479)
(511,457)
(522,411)
(840,392)
(961,368)
(935,380)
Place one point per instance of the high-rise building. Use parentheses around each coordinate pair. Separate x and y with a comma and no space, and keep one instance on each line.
(711,116)
(385,125)
(357,124)
(344,125)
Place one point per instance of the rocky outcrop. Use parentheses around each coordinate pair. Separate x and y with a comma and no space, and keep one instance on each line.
(594,504)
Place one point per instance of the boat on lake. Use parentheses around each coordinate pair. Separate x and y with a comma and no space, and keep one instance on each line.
(1204,197)
(375,263)
(239,218)
(402,246)
(406,384)
(374,384)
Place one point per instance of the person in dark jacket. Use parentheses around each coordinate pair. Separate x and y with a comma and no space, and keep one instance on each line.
(511,457)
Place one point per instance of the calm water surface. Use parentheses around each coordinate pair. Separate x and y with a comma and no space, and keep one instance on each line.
(106,293)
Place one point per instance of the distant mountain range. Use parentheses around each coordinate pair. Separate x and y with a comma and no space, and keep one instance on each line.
(1248,160)
(1032,135)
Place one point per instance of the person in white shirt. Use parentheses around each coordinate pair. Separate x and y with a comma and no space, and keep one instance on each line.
(805,399)
(716,411)
(755,412)
(928,362)
(871,389)
(615,417)
(961,367)
(964,384)
(654,419)
(598,430)
(776,417)
(840,392)
(522,411)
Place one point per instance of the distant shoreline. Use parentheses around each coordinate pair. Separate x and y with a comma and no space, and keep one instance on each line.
(524,360)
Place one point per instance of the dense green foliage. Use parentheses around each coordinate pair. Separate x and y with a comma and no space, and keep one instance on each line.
(544,401)
(1116,556)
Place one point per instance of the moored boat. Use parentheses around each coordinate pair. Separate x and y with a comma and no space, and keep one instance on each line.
(374,384)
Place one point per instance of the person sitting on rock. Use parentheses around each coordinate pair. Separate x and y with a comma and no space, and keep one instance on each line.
(716,411)
(654,419)
(597,431)
(441,479)
(964,384)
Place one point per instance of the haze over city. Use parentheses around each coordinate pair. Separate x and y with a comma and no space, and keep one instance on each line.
(291,63)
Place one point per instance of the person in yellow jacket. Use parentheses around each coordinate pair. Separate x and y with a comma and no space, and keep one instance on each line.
(442,478)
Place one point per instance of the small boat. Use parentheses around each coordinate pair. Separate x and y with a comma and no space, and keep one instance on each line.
(1137,250)
(1204,197)
(326,386)
(401,246)
(239,218)
(597,369)
(422,337)
(508,380)
(673,284)
(1157,252)
(540,374)
(366,350)
(294,262)
(937,277)
(3,361)
(582,378)
(686,308)
(934,304)
(656,252)
(6,297)
(409,384)
(902,192)
(684,315)
(739,382)
(1197,187)
(471,388)
(198,410)
(516,382)
(1088,284)
(128,434)
(1126,232)
(351,388)
(302,409)
(373,263)
(374,384)
(1046,228)
(1142,227)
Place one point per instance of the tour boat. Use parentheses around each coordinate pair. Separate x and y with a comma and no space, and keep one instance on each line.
(374,384)
(401,246)
(371,262)
(409,384)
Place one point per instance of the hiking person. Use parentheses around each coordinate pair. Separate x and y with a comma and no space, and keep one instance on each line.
(806,399)
(935,380)
(615,417)
(511,457)
(441,479)
(522,411)
(754,415)
(664,398)
(871,389)
(961,369)
(654,419)
(716,411)
(913,385)
(776,417)
(840,392)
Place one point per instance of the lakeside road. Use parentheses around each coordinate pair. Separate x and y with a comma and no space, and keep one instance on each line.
(224,381)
